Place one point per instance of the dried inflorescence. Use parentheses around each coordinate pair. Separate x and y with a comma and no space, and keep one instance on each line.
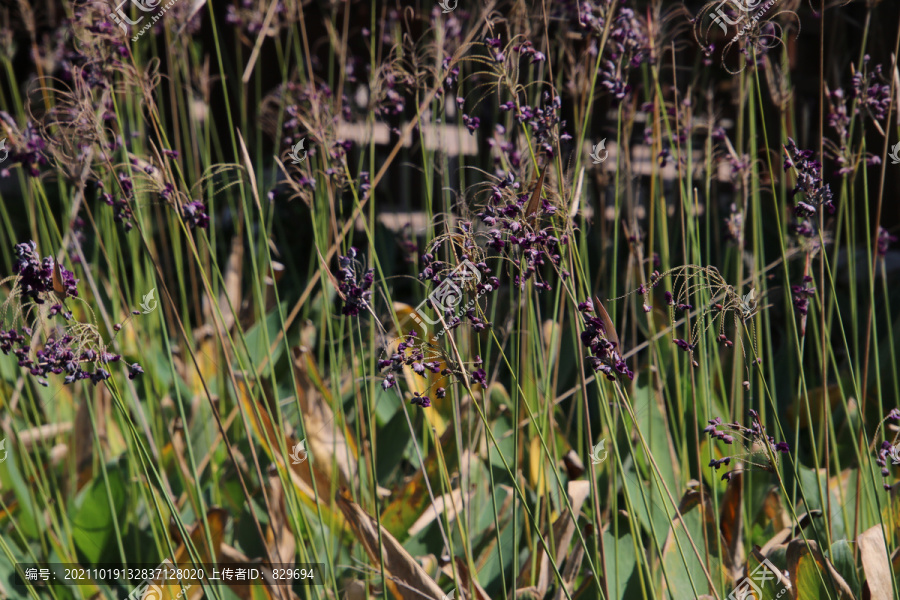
(688,282)
(72,349)
(758,448)
(750,31)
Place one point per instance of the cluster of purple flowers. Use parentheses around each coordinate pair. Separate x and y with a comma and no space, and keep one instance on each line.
(628,45)
(513,232)
(194,214)
(471,123)
(626,35)
(356,294)
(35,276)
(884,241)
(392,102)
(802,294)
(452,75)
(750,436)
(424,359)
(527,50)
(439,272)
(410,353)
(888,451)
(838,117)
(495,48)
(30,151)
(544,122)
(60,356)
(123,212)
(65,354)
(684,344)
(605,357)
(809,181)
(670,298)
(872,94)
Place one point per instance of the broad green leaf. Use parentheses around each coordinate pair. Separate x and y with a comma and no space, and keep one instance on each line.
(684,570)
(91,516)
(622,577)
(841,557)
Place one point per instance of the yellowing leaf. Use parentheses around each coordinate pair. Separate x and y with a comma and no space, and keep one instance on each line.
(382,546)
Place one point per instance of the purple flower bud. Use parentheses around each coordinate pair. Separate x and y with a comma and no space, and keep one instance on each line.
(134,370)
(683,345)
